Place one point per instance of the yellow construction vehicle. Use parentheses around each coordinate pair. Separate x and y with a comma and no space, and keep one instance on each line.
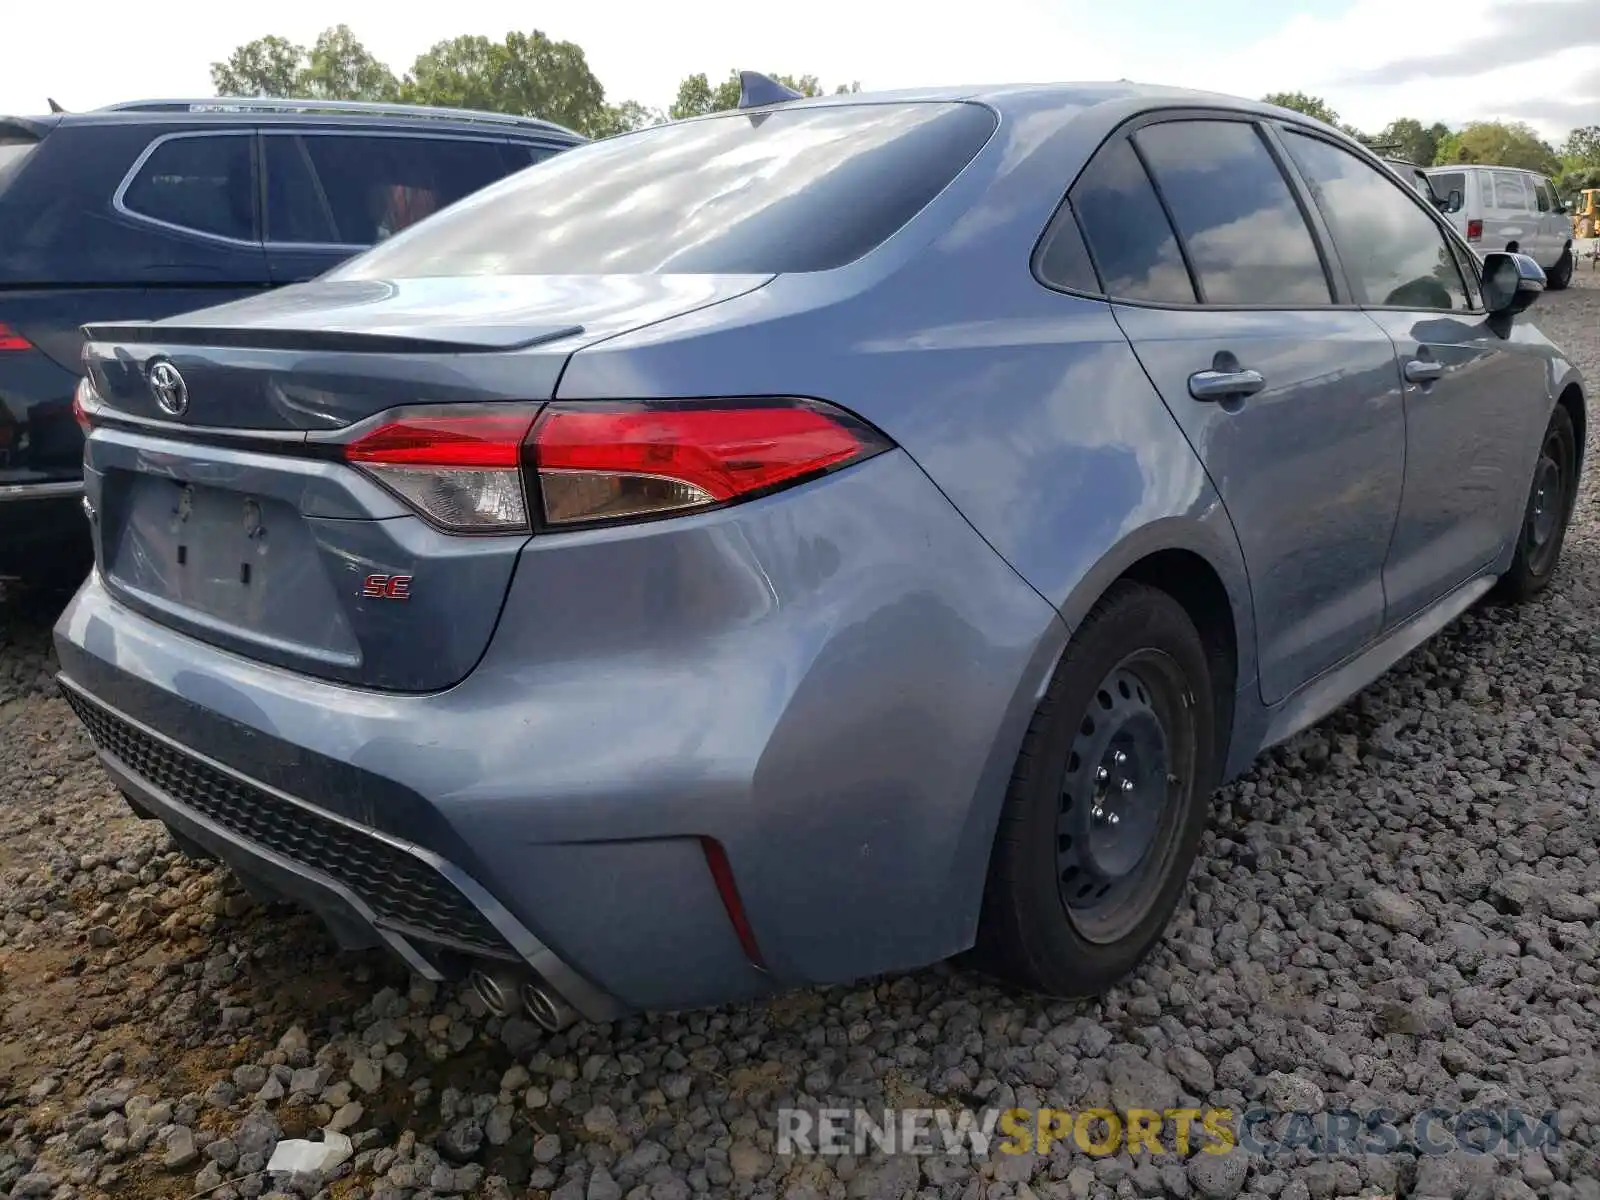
(1586,213)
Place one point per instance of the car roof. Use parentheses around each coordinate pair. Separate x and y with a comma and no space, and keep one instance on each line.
(301,113)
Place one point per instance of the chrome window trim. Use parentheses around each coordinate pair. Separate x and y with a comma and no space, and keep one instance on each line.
(119,198)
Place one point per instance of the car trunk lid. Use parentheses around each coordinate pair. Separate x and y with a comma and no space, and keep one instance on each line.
(229,512)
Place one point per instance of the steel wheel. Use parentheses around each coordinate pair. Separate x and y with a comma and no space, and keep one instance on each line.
(1547,505)
(1119,822)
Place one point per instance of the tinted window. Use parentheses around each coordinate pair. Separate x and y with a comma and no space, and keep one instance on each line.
(203,183)
(1065,260)
(804,189)
(1245,235)
(297,211)
(1541,194)
(1392,250)
(1445,182)
(1128,234)
(377,186)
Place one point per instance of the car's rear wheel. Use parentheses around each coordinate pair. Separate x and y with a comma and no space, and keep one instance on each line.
(1107,804)
(1548,510)
(1561,274)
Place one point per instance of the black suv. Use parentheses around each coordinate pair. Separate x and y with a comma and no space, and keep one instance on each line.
(146,210)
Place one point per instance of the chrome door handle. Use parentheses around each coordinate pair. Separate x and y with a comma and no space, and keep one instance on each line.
(1422,370)
(1224,385)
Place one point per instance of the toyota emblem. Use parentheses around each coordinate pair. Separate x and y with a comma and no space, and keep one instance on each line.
(167,386)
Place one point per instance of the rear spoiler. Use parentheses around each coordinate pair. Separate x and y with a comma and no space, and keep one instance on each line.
(27,127)
(399,339)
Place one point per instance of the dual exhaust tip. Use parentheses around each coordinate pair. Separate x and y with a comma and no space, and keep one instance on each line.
(506,993)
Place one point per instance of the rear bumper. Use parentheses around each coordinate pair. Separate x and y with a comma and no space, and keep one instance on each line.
(831,684)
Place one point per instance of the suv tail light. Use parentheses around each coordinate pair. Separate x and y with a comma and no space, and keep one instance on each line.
(472,470)
(10,339)
(1474,231)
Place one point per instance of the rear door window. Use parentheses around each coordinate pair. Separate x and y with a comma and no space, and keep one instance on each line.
(808,188)
(297,209)
(1241,226)
(201,183)
(375,186)
(1129,236)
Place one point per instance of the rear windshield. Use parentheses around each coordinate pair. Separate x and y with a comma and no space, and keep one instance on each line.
(12,151)
(803,189)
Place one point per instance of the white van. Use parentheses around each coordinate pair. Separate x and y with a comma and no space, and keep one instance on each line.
(1507,208)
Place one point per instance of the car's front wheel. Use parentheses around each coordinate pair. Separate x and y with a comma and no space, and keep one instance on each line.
(1108,802)
(1551,496)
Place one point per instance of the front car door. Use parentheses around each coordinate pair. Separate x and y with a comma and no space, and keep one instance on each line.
(1466,386)
(1291,403)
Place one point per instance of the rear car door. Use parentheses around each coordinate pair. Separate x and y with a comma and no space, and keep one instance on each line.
(1467,388)
(331,194)
(1291,402)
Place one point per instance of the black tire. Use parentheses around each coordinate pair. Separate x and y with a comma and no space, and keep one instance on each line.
(1036,930)
(1545,516)
(1561,274)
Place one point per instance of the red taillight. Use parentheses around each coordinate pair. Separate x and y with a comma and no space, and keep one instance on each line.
(1474,231)
(602,462)
(462,467)
(461,470)
(10,339)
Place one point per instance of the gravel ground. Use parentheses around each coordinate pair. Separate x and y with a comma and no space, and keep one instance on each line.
(1397,910)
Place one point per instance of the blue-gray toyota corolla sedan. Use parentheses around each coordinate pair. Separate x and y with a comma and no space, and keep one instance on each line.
(806,541)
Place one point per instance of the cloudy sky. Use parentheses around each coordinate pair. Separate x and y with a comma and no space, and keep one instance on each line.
(1449,60)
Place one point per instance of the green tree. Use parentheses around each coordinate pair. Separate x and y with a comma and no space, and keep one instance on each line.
(1412,140)
(269,66)
(625,118)
(527,73)
(340,68)
(1498,144)
(1583,147)
(1312,106)
(697,96)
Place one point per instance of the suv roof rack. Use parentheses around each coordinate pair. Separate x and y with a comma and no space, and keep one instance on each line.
(371,108)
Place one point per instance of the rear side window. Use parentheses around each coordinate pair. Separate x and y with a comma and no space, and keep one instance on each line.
(376,186)
(1394,253)
(1129,237)
(1445,182)
(791,190)
(204,183)
(1245,235)
(1511,191)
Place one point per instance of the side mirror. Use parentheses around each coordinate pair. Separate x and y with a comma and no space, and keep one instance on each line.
(1511,283)
(1454,201)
